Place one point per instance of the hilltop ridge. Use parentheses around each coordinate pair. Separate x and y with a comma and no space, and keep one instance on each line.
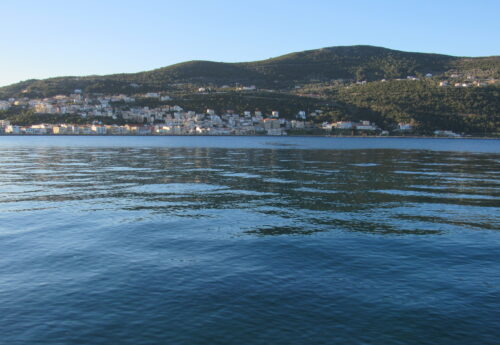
(350,83)
(353,63)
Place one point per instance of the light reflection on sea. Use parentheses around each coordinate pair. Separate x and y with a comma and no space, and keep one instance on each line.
(106,243)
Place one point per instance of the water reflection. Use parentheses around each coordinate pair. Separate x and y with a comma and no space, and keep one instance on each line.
(160,245)
(262,191)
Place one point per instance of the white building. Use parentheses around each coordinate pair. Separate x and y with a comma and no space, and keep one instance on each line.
(405,127)
(365,126)
(327,126)
(101,130)
(344,125)
(4,105)
(446,133)
(247,88)
(13,129)
(301,115)
(297,124)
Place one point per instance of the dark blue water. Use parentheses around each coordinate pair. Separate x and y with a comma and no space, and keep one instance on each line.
(240,240)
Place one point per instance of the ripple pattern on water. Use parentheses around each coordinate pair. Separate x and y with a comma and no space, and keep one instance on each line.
(113,244)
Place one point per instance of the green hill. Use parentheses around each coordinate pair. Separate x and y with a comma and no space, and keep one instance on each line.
(284,72)
(473,110)
(326,79)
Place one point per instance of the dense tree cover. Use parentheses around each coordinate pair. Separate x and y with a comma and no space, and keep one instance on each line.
(353,63)
(27,118)
(474,110)
(486,67)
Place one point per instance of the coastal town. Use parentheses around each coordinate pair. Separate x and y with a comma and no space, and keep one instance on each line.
(161,120)
(165,119)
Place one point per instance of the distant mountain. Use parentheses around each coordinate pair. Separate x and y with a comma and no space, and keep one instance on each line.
(284,72)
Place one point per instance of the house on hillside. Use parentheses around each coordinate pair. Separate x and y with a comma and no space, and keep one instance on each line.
(4,105)
(344,125)
(366,126)
(405,127)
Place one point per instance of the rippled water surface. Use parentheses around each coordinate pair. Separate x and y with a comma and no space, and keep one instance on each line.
(249,241)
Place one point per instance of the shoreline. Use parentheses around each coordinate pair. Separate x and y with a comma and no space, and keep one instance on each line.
(250,135)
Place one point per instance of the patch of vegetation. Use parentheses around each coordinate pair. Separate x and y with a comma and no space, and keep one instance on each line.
(474,110)
(284,72)
(28,118)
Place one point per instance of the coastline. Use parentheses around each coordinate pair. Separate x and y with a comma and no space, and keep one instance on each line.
(250,135)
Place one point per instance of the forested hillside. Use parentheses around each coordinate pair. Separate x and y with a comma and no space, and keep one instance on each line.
(344,83)
(351,63)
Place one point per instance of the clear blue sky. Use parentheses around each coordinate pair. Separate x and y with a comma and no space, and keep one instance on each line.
(41,39)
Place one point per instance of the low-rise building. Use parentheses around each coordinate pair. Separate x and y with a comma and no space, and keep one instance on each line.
(13,129)
(405,127)
(344,125)
(446,133)
(98,129)
(4,105)
(327,126)
(365,126)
